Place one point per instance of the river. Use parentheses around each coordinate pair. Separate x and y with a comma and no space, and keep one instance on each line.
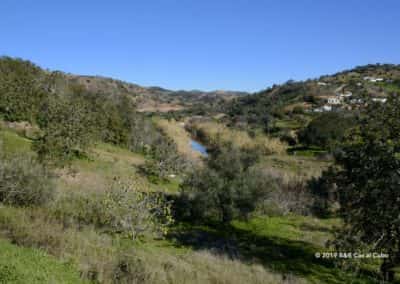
(198,147)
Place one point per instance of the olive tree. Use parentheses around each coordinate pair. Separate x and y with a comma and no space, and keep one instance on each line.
(228,186)
(368,180)
(67,127)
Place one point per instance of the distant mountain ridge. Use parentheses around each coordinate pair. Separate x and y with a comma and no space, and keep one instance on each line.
(148,98)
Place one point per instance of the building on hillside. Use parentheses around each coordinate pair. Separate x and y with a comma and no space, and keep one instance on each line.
(323,108)
(379,100)
(334,100)
(373,79)
(356,101)
(346,94)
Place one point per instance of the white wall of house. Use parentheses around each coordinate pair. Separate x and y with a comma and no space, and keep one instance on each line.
(334,101)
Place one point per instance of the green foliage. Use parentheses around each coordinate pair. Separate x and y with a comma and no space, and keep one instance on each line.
(11,143)
(71,117)
(24,182)
(325,193)
(67,127)
(326,130)
(153,171)
(123,209)
(22,89)
(227,187)
(368,184)
(23,265)
(136,213)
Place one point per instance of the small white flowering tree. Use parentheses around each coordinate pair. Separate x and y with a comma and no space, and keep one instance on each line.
(135,213)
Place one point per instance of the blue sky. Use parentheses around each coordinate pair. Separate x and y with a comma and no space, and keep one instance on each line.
(207,44)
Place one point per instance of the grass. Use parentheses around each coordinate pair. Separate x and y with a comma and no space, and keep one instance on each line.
(26,265)
(212,131)
(13,143)
(203,266)
(294,167)
(288,124)
(176,131)
(91,251)
(289,244)
(104,164)
(307,151)
(285,245)
(390,88)
(106,259)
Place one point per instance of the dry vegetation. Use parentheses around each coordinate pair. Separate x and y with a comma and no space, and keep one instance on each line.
(213,131)
(159,107)
(176,131)
(108,260)
(103,164)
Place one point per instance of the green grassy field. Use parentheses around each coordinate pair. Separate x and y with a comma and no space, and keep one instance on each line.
(294,167)
(13,143)
(103,164)
(25,265)
(286,245)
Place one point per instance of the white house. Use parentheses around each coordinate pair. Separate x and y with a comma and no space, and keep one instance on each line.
(323,108)
(379,100)
(373,79)
(334,100)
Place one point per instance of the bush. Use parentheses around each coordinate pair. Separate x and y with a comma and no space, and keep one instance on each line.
(324,191)
(152,171)
(326,130)
(228,187)
(24,182)
(123,209)
(135,213)
(289,197)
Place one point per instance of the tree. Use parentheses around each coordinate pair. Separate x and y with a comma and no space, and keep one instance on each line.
(227,186)
(21,89)
(326,130)
(68,129)
(324,192)
(24,182)
(368,184)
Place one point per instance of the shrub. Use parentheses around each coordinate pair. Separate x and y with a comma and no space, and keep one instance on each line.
(123,209)
(136,213)
(24,182)
(324,191)
(289,197)
(152,170)
(227,187)
(326,130)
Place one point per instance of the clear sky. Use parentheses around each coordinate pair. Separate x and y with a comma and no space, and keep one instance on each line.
(202,44)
